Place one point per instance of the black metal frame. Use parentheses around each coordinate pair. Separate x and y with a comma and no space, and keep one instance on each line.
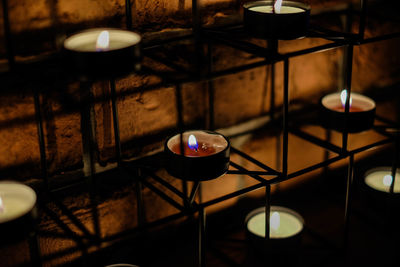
(231,36)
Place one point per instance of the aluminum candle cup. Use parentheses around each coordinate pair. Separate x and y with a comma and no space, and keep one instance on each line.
(205,157)
(17,211)
(361,114)
(286,228)
(292,22)
(377,182)
(103,52)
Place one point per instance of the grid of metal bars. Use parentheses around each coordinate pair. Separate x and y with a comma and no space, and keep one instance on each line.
(231,36)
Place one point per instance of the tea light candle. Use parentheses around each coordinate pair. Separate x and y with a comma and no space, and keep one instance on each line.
(284,223)
(17,210)
(381,179)
(103,51)
(361,112)
(276,19)
(205,155)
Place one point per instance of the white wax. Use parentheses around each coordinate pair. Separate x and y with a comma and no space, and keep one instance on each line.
(284,9)
(375,181)
(289,225)
(17,200)
(332,101)
(86,41)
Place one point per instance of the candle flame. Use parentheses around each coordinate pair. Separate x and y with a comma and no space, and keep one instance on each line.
(343,97)
(1,205)
(275,221)
(103,41)
(277,6)
(387,180)
(192,143)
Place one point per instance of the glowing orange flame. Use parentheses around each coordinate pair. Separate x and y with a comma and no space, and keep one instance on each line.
(277,6)
(343,97)
(192,142)
(275,221)
(103,41)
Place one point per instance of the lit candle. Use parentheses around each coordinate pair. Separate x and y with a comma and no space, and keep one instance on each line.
(361,112)
(381,179)
(205,155)
(276,20)
(284,223)
(16,200)
(103,51)
(17,211)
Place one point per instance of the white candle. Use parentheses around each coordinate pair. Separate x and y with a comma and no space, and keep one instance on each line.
(16,200)
(286,226)
(381,178)
(86,41)
(284,9)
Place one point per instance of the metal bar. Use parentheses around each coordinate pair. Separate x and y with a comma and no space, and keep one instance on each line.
(232,195)
(349,194)
(380,38)
(202,237)
(166,184)
(128,12)
(370,146)
(267,214)
(118,150)
(210,89)
(363,18)
(272,95)
(193,192)
(163,195)
(250,172)
(34,249)
(285,118)
(313,139)
(42,143)
(139,199)
(394,165)
(237,166)
(256,162)
(348,59)
(7,35)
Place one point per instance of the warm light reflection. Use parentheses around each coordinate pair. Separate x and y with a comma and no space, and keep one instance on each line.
(103,41)
(1,205)
(343,97)
(387,180)
(275,221)
(277,6)
(192,143)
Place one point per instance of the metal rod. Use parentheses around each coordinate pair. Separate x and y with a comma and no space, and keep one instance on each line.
(7,36)
(167,185)
(117,138)
(348,59)
(163,195)
(394,165)
(128,12)
(252,160)
(237,166)
(363,18)
(285,137)
(139,199)
(202,237)
(267,214)
(210,89)
(349,194)
(34,249)
(272,94)
(250,172)
(42,143)
(193,192)
(313,139)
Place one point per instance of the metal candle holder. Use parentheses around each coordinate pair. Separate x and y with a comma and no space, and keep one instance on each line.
(276,25)
(197,168)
